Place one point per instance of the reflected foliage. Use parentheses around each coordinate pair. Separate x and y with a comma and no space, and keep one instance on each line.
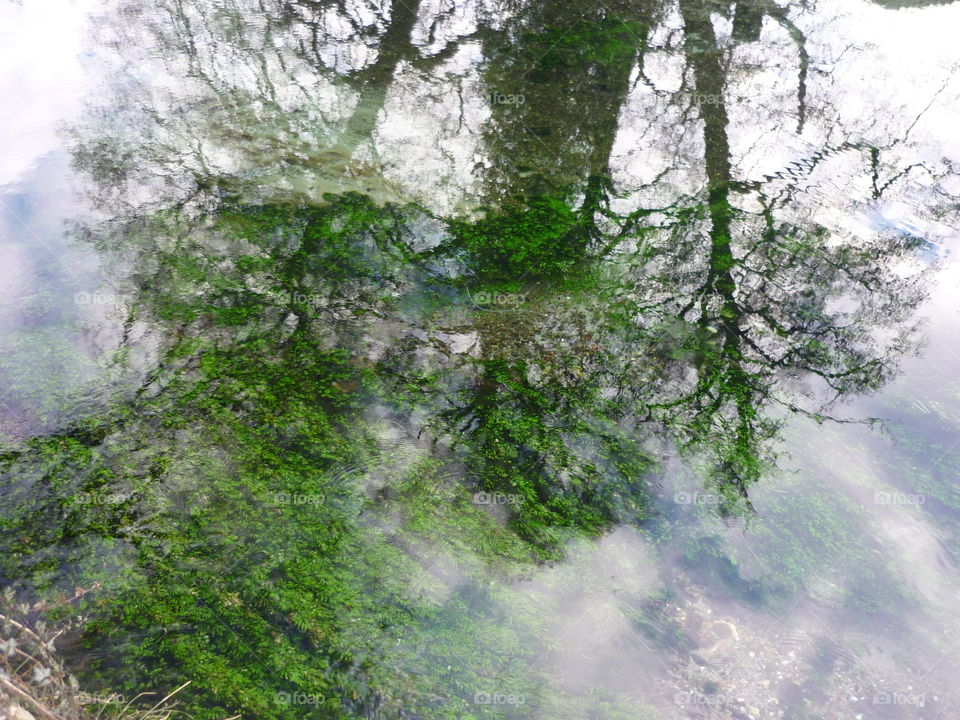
(342,367)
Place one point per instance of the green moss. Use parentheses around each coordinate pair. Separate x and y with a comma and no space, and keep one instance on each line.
(538,240)
(299,345)
(177,505)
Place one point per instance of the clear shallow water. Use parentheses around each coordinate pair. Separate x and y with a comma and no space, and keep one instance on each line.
(262,407)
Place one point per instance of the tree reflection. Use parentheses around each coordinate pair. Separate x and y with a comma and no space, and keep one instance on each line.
(721,310)
(292,301)
(766,298)
(715,302)
(576,64)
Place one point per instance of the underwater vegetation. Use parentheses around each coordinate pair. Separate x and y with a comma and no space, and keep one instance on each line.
(359,425)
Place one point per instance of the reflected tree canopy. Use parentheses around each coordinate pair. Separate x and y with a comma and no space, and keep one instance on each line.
(323,331)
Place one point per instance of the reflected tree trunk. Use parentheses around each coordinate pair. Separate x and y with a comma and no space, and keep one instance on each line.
(557,92)
(374,82)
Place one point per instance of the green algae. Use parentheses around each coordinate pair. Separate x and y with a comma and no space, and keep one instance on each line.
(236,542)
(261,518)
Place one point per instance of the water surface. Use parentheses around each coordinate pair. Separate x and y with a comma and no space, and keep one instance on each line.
(487,359)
